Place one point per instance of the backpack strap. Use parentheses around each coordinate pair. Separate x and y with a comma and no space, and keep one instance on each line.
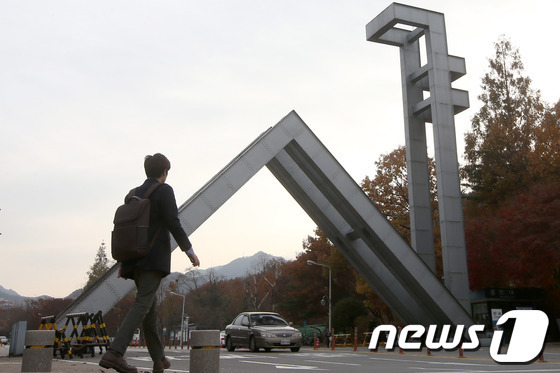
(151,189)
(130,194)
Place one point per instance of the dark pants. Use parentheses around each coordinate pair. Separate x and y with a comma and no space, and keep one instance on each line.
(142,312)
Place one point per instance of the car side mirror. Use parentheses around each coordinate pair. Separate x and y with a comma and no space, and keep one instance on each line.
(291,323)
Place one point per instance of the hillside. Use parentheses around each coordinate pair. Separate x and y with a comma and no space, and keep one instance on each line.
(239,267)
(11,295)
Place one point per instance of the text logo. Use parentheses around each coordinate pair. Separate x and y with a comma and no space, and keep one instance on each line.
(527,338)
(526,342)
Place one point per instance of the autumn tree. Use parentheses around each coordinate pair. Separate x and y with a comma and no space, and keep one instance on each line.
(32,311)
(498,146)
(193,280)
(545,157)
(260,284)
(214,302)
(348,313)
(302,287)
(519,245)
(389,189)
(513,154)
(99,267)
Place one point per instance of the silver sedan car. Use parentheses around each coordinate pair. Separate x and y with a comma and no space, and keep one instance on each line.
(257,330)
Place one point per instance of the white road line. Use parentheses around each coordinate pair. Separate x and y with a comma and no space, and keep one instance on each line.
(432,362)
(284,366)
(332,362)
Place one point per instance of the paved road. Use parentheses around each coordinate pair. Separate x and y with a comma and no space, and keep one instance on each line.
(323,360)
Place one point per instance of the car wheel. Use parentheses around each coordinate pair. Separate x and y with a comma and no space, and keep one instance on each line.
(294,349)
(253,344)
(229,345)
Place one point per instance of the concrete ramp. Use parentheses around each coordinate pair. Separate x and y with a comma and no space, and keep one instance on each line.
(322,187)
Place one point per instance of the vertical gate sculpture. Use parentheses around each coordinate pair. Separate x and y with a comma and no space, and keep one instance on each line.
(405,26)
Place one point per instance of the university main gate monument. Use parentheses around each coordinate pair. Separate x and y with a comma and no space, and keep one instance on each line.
(403,276)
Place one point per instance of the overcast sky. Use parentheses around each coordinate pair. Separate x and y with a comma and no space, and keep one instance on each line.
(88,88)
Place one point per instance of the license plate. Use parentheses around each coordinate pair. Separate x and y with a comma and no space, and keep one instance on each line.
(284,341)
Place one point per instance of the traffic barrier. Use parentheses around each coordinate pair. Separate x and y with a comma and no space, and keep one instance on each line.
(61,344)
(355,339)
(332,339)
(205,352)
(342,340)
(461,350)
(38,354)
(98,332)
(93,333)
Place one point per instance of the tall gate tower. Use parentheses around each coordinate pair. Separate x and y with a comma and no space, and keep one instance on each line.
(429,97)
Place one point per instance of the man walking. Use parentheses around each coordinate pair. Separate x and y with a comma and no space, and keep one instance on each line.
(147,272)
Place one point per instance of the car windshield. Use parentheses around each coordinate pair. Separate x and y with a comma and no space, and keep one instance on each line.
(270,320)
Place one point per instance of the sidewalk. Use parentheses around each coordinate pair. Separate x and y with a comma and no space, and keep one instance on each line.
(89,364)
(13,364)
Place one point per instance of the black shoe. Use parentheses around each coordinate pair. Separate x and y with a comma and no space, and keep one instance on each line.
(114,360)
(161,365)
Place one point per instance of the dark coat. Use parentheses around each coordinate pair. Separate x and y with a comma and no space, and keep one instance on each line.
(163,216)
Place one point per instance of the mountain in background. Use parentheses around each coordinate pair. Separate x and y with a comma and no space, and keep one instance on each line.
(12,296)
(74,294)
(240,267)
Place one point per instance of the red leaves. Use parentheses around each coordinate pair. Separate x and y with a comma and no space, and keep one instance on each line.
(519,246)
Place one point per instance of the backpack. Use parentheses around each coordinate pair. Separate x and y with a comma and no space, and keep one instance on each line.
(129,238)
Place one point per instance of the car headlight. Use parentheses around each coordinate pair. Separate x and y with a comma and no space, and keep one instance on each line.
(267,335)
(296,335)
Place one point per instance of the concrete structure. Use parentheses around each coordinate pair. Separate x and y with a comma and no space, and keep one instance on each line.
(410,29)
(205,352)
(403,278)
(17,342)
(340,208)
(37,357)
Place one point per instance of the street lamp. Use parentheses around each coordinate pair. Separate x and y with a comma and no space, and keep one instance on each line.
(182,316)
(311,262)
